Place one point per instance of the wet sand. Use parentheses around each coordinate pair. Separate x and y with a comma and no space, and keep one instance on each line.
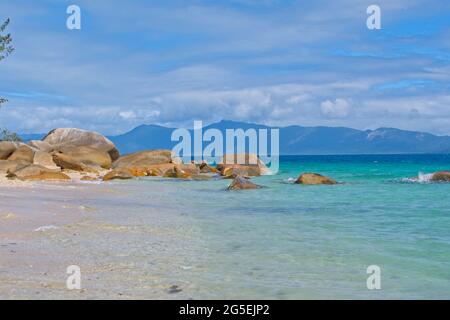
(124,247)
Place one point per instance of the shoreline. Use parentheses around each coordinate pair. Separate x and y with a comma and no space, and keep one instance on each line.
(60,224)
(159,238)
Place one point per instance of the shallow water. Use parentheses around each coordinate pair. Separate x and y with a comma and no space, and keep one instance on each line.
(136,239)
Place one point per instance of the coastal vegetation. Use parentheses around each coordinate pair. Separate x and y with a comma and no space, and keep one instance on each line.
(5,47)
(5,50)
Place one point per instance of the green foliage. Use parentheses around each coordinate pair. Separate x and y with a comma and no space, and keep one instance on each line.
(5,50)
(5,41)
(5,47)
(6,135)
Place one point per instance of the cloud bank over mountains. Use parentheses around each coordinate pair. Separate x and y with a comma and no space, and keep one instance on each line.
(272,62)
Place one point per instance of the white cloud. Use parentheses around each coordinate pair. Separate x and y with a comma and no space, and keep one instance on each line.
(340,108)
(127,115)
(174,62)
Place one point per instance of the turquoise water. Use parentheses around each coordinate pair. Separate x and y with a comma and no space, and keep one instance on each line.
(290,241)
(138,238)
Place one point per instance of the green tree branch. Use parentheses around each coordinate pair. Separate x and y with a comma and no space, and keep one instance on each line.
(5,50)
(5,47)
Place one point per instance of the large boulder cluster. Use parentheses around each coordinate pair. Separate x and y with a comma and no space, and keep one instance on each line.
(62,154)
(73,154)
(66,154)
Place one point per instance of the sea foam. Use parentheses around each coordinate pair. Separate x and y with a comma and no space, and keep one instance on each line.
(421,178)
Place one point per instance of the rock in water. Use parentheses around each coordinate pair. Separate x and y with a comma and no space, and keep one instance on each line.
(22,153)
(176,172)
(117,175)
(189,168)
(6,149)
(77,137)
(240,170)
(233,165)
(241,183)
(206,168)
(158,170)
(314,178)
(441,176)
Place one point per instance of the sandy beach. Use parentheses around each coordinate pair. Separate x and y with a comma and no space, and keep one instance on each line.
(46,227)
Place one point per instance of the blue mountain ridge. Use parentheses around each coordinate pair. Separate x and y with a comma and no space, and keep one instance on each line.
(298,140)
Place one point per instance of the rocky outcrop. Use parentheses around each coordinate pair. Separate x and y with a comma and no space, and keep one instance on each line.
(240,170)
(117,175)
(176,172)
(22,153)
(158,170)
(63,137)
(206,168)
(67,162)
(40,145)
(143,159)
(11,166)
(44,159)
(313,179)
(87,156)
(441,176)
(189,168)
(241,164)
(83,155)
(37,172)
(88,178)
(146,163)
(6,149)
(48,176)
(242,183)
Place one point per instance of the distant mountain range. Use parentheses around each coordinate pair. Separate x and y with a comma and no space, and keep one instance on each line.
(297,140)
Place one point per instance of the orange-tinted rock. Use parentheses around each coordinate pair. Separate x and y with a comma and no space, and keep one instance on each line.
(143,159)
(241,183)
(22,153)
(87,156)
(314,178)
(40,145)
(117,175)
(441,176)
(12,166)
(206,168)
(176,172)
(233,165)
(6,149)
(44,159)
(48,176)
(67,162)
(37,172)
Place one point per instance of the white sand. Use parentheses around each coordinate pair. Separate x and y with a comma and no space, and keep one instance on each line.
(124,247)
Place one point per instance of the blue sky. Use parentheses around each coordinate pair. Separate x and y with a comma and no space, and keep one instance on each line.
(268,61)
